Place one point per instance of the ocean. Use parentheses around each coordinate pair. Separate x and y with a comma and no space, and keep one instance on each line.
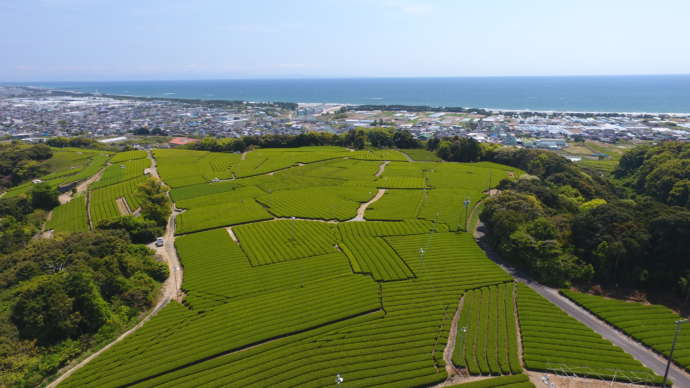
(669,93)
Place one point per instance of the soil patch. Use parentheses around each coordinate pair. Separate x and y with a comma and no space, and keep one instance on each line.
(123,207)
(232,235)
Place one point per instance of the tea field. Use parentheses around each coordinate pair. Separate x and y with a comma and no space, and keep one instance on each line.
(67,165)
(69,217)
(288,282)
(553,341)
(652,325)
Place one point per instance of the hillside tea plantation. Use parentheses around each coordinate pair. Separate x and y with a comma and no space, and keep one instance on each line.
(553,341)
(70,217)
(69,165)
(304,263)
(652,325)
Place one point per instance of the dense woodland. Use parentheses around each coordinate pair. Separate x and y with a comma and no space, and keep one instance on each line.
(566,224)
(357,138)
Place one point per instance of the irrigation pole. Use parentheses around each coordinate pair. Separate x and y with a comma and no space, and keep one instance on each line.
(673,347)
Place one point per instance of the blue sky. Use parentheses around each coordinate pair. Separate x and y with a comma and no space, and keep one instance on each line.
(53,40)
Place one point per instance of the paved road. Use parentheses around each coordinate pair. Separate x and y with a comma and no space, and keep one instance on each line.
(646,356)
(171,289)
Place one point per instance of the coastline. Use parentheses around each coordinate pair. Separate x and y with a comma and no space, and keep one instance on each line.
(399,107)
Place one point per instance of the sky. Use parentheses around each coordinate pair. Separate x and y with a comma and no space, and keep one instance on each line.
(82,40)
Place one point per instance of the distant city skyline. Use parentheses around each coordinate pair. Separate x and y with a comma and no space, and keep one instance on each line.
(90,40)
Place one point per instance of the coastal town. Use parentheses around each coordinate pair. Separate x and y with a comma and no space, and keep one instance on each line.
(33,115)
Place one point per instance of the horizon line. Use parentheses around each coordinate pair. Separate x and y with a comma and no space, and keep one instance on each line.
(283,78)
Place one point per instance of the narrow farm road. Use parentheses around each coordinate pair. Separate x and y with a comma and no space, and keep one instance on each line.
(363,207)
(173,285)
(452,341)
(82,187)
(153,170)
(171,289)
(641,353)
(382,167)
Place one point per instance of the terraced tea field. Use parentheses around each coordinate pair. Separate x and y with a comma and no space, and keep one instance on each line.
(70,217)
(652,325)
(487,332)
(555,342)
(103,201)
(67,165)
(214,216)
(122,172)
(285,287)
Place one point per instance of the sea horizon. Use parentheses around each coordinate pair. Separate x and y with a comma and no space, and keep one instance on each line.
(571,93)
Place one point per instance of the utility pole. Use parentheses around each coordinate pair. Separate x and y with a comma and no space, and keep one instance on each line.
(467,204)
(673,347)
(294,239)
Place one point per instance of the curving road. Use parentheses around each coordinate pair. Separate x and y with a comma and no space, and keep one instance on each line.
(640,352)
(171,289)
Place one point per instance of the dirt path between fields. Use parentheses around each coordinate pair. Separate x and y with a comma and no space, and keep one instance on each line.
(153,169)
(123,207)
(363,207)
(82,187)
(244,155)
(450,345)
(382,167)
(517,329)
(170,290)
(408,157)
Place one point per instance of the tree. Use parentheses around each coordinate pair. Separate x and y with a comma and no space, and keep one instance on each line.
(464,149)
(404,139)
(44,196)
(380,138)
(140,230)
(141,131)
(612,238)
(50,308)
(433,144)
(14,234)
(668,181)
(155,204)
(589,205)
